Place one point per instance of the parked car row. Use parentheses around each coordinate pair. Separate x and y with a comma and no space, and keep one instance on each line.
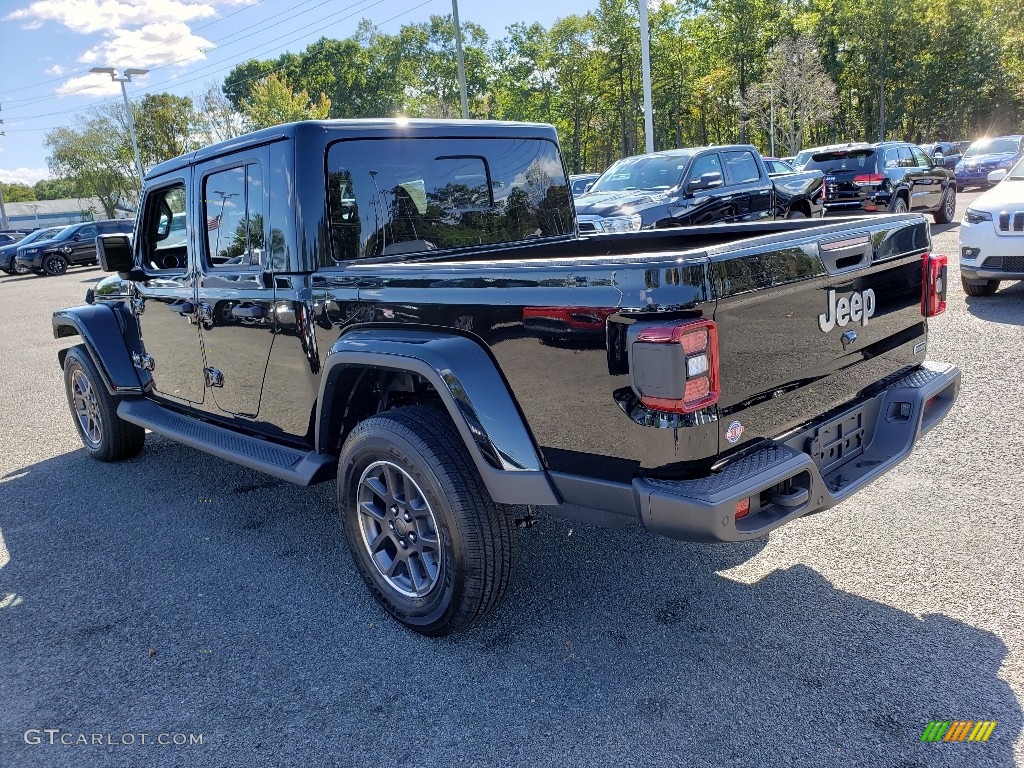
(698,185)
(51,251)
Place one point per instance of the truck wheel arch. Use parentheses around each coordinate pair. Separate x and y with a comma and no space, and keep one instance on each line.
(103,335)
(467,382)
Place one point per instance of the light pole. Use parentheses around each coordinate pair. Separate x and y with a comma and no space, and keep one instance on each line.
(461,60)
(126,78)
(645,67)
(35,210)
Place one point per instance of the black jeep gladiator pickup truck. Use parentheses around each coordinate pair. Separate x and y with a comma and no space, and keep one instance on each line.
(407,307)
(700,185)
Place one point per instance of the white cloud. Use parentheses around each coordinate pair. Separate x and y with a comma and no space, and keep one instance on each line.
(32,25)
(23,175)
(90,85)
(56,69)
(88,16)
(135,33)
(148,46)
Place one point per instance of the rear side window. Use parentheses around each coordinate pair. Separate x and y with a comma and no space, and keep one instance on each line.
(741,167)
(233,211)
(396,196)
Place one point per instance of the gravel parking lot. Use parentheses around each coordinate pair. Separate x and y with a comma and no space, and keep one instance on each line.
(179,594)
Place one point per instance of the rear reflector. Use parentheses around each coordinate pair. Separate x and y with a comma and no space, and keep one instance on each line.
(698,340)
(933,289)
(742,508)
(869,178)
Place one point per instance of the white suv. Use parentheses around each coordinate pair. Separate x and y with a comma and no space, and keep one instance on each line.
(992,235)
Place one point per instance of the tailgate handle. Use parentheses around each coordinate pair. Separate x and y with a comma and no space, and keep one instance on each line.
(795,498)
(848,253)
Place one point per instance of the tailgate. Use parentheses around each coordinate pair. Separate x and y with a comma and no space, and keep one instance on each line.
(807,324)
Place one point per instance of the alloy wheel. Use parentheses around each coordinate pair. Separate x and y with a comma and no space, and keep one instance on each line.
(87,408)
(399,529)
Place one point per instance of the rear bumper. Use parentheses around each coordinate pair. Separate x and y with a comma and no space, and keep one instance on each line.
(793,475)
(891,422)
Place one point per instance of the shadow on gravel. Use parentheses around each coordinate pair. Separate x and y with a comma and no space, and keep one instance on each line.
(175,592)
(1005,306)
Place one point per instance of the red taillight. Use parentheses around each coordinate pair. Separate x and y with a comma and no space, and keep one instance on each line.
(933,289)
(699,342)
(869,178)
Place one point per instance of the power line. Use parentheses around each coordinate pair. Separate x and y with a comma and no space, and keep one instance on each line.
(28,101)
(258,76)
(220,66)
(118,61)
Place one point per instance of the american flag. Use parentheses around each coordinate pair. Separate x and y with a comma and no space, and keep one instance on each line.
(212,223)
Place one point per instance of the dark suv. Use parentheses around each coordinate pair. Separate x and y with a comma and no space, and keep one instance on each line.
(892,176)
(73,245)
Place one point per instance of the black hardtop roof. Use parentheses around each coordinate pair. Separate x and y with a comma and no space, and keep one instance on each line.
(362,128)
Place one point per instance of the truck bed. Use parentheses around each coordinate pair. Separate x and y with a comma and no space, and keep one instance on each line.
(554,316)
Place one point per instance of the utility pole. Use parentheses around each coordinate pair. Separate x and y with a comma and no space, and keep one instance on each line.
(4,224)
(461,61)
(645,62)
(127,78)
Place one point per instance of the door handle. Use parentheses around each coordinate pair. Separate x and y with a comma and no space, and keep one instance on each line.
(248,312)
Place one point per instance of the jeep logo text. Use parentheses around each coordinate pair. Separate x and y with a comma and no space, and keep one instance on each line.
(860,306)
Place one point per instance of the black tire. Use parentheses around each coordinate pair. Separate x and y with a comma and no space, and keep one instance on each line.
(898,205)
(54,265)
(795,214)
(17,269)
(980,289)
(947,210)
(472,544)
(114,439)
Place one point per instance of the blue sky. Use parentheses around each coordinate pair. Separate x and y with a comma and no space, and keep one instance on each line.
(50,45)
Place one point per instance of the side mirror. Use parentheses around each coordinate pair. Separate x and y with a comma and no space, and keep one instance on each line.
(76,237)
(997,175)
(587,188)
(116,255)
(706,181)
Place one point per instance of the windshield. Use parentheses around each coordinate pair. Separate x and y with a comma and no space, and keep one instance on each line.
(994,147)
(40,234)
(1017,172)
(845,160)
(643,172)
(65,233)
(802,157)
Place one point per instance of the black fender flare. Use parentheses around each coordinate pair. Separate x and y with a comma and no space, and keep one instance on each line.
(104,336)
(473,390)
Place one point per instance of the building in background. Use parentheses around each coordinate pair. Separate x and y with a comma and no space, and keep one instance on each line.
(55,213)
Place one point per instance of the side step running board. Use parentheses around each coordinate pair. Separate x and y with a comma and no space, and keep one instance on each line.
(296,466)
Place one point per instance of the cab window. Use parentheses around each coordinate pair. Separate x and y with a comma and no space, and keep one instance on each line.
(165,239)
(742,167)
(705,164)
(401,196)
(233,212)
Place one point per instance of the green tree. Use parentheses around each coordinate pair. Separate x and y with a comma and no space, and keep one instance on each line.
(165,125)
(17,193)
(54,189)
(273,102)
